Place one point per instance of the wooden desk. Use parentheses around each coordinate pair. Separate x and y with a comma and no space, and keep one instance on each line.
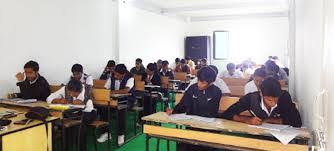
(228,134)
(25,107)
(31,137)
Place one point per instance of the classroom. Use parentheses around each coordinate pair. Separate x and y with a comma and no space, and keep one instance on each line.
(168,75)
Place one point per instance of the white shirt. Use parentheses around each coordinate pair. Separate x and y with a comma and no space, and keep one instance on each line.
(60,94)
(219,83)
(264,108)
(88,81)
(250,87)
(130,83)
(236,74)
(173,66)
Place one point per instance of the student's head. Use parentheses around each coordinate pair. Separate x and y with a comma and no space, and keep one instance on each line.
(275,58)
(259,76)
(183,61)
(177,60)
(74,88)
(151,68)
(111,64)
(139,63)
(120,71)
(230,68)
(206,76)
(159,64)
(188,58)
(271,68)
(31,69)
(77,71)
(165,65)
(214,69)
(203,62)
(270,90)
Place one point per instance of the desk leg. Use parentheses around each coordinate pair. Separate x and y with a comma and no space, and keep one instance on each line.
(109,126)
(168,145)
(147,142)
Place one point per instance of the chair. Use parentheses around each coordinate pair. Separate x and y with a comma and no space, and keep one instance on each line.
(137,78)
(55,88)
(99,84)
(182,77)
(226,102)
(101,97)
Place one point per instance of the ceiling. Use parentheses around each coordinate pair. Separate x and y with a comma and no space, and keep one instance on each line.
(202,10)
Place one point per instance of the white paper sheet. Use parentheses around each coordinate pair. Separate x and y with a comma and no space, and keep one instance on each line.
(26,101)
(272,127)
(285,135)
(176,117)
(193,117)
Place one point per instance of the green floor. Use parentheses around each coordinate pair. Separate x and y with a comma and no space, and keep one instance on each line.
(134,143)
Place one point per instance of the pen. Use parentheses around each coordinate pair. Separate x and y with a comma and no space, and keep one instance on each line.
(252,113)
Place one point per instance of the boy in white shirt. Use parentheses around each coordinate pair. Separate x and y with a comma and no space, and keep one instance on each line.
(74,93)
(232,72)
(256,80)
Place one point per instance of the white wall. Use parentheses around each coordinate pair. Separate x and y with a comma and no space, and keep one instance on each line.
(314,61)
(255,38)
(57,34)
(149,36)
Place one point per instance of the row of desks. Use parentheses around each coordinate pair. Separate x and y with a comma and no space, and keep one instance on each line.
(223,134)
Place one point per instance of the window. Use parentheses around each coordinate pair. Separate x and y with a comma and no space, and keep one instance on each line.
(220,45)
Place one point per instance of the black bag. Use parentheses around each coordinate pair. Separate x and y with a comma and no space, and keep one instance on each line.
(37,113)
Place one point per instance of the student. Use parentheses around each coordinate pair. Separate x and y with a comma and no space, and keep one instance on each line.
(175,64)
(86,80)
(166,70)
(254,84)
(273,70)
(201,99)
(270,105)
(152,75)
(108,70)
(203,63)
(190,63)
(139,68)
(183,67)
(121,83)
(232,72)
(218,82)
(32,84)
(159,65)
(74,93)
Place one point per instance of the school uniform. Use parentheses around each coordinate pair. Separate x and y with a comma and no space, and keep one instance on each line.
(140,71)
(149,103)
(250,87)
(167,74)
(218,82)
(201,103)
(285,108)
(184,68)
(38,89)
(87,81)
(88,113)
(114,84)
(236,74)
(106,75)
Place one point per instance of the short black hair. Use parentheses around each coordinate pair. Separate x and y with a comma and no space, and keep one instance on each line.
(206,74)
(214,68)
(204,60)
(139,60)
(275,57)
(32,64)
(271,87)
(152,67)
(177,59)
(187,58)
(111,63)
(271,65)
(230,66)
(74,85)
(121,68)
(260,72)
(183,61)
(159,61)
(77,68)
(165,63)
